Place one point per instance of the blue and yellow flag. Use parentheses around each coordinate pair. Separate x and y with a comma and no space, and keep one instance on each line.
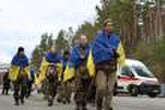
(42,74)
(14,72)
(69,73)
(121,53)
(43,70)
(91,65)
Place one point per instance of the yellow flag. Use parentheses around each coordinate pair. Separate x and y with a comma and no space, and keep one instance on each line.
(13,72)
(43,69)
(91,65)
(27,71)
(36,80)
(59,70)
(69,73)
(122,57)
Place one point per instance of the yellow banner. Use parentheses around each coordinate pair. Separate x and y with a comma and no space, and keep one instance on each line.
(91,65)
(43,70)
(69,73)
(14,72)
(122,57)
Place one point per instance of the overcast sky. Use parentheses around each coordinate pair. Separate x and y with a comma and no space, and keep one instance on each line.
(23,21)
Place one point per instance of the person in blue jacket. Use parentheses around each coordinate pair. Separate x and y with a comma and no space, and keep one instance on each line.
(51,82)
(78,60)
(105,58)
(53,56)
(20,60)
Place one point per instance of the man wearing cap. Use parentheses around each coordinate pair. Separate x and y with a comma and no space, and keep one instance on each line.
(19,62)
(105,58)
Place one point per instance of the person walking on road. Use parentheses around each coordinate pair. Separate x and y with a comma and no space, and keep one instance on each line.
(19,75)
(106,53)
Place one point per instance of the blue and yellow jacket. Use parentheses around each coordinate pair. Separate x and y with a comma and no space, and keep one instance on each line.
(49,58)
(103,49)
(17,63)
(76,60)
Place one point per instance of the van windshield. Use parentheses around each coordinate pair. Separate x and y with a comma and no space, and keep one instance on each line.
(142,71)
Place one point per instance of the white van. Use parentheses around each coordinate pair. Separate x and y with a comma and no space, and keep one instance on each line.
(135,78)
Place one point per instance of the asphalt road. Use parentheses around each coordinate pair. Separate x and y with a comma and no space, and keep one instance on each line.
(120,103)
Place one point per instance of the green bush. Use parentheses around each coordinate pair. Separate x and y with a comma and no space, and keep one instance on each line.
(153,55)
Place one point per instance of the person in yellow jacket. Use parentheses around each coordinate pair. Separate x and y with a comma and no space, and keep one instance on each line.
(19,74)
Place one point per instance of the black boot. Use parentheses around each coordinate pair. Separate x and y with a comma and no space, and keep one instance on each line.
(59,100)
(68,101)
(22,101)
(84,105)
(78,106)
(111,108)
(16,102)
(84,108)
(7,92)
(50,103)
(99,103)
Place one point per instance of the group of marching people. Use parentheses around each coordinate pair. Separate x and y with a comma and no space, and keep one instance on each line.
(88,71)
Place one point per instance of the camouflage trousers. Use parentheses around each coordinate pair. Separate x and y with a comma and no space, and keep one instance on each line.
(105,81)
(20,89)
(44,89)
(82,83)
(52,82)
(64,93)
